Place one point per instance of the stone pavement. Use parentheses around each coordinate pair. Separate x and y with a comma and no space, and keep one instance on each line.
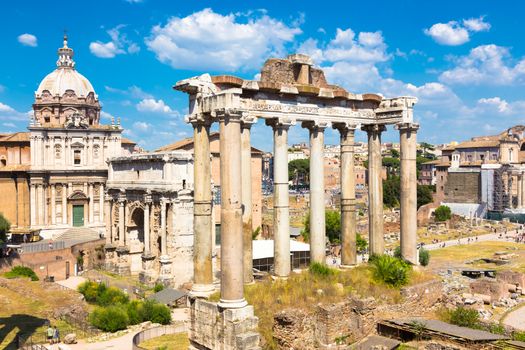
(510,237)
(516,319)
(71,282)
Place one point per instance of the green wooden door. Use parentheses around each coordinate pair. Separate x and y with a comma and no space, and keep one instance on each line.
(78,215)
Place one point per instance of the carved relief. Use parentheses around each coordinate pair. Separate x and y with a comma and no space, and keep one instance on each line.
(58,151)
(96,151)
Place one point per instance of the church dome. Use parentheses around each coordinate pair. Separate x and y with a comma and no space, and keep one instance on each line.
(65,77)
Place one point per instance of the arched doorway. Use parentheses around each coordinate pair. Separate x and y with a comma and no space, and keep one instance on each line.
(77,202)
(136,225)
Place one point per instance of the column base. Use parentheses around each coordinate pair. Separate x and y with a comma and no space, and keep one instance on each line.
(233,304)
(212,327)
(347,267)
(202,290)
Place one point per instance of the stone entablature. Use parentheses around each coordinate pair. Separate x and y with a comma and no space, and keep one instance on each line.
(149,223)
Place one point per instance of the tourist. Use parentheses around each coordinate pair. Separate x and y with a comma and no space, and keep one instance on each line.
(50,333)
(56,336)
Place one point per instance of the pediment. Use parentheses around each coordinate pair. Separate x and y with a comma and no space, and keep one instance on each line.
(77,195)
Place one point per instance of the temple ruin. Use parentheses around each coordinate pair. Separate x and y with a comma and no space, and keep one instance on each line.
(290,91)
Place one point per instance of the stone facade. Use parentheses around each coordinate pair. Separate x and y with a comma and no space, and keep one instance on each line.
(149,217)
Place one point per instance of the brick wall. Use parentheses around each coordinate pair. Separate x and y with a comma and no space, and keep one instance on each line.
(463,188)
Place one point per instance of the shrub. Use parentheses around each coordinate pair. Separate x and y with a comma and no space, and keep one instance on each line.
(397,252)
(112,296)
(5,226)
(155,312)
(442,213)
(109,319)
(361,243)
(91,290)
(519,336)
(321,269)
(389,270)
(424,256)
(21,271)
(158,287)
(464,317)
(135,311)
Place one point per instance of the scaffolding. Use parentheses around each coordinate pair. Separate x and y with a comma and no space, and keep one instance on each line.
(501,192)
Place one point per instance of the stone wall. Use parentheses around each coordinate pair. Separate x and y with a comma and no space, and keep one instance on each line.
(496,289)
(212,327)
(463,187)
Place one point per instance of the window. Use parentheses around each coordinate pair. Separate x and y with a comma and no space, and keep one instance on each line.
(47,119)
(77,157)
(3,162)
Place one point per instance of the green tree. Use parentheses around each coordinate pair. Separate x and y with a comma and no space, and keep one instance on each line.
(391,165)
(332,226)
(425,147)
(424,257)
(299,171)
(442,213)
(391,188)
(394,153)
(5,226)
(424,195)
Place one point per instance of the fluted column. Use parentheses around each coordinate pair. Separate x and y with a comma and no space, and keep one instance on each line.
(64,204)
(147,204)
(33,204)
(408,191)
(202,248)
(101,203)
(53,204)
(232,276)
(375,189)
(40,204)
(348,211)
(121,221)
(45,205)
(281,205)
(519,189)
(163,233)
(91,203)
(317,202)
(246,171)
(108,218)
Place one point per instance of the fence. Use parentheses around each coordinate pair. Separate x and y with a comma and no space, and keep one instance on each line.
(42,247)
(156,332)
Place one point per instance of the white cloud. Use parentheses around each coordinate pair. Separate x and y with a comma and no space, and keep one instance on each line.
(132,91)
(451,33)
(9,125)
(476,24)
(141,126)
(27,39)
(454,33)
(107,116)
(118,45)
(152,105)
(486,64)
(208,40)
(6,108)
(498,106)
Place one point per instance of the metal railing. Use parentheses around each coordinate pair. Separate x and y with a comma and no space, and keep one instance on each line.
(156,332)
(41,247)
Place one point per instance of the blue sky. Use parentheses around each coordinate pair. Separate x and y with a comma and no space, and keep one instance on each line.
(464,60)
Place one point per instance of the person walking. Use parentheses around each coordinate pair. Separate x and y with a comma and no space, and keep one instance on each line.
(50,333)
(56,335)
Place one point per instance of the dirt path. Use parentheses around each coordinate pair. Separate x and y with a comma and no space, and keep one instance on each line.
(516,318)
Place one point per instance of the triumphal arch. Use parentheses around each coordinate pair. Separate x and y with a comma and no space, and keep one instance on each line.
(290,92)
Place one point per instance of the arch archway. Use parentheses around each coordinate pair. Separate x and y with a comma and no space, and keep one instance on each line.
(136,225)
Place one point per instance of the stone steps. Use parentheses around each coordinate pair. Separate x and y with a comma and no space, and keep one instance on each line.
(79,234)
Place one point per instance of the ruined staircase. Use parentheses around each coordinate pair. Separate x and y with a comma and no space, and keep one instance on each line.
(76,235)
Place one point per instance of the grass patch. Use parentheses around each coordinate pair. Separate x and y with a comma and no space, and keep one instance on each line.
(177,341)
(306,289)
(21,271)
(322,270)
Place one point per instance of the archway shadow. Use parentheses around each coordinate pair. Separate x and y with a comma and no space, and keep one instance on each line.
(26,325)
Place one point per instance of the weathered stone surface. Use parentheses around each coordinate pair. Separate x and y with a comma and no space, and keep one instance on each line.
(70,338)
(494,288)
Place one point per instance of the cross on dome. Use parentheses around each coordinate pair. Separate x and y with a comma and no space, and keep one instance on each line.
(65,56)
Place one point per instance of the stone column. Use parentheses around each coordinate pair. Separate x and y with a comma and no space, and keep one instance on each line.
(163,231)
(45,205)
(281,205)
(520,179)
(108,219)
(202,248)
(522,189)
(33,204)
(41,204)
(53,204)
(408,191)
(101,203)
(91,203)
(246,171)
(375,189)
(348,212)
(147,204)
(232,276)
(64,204)
(121,221)
(317,202)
